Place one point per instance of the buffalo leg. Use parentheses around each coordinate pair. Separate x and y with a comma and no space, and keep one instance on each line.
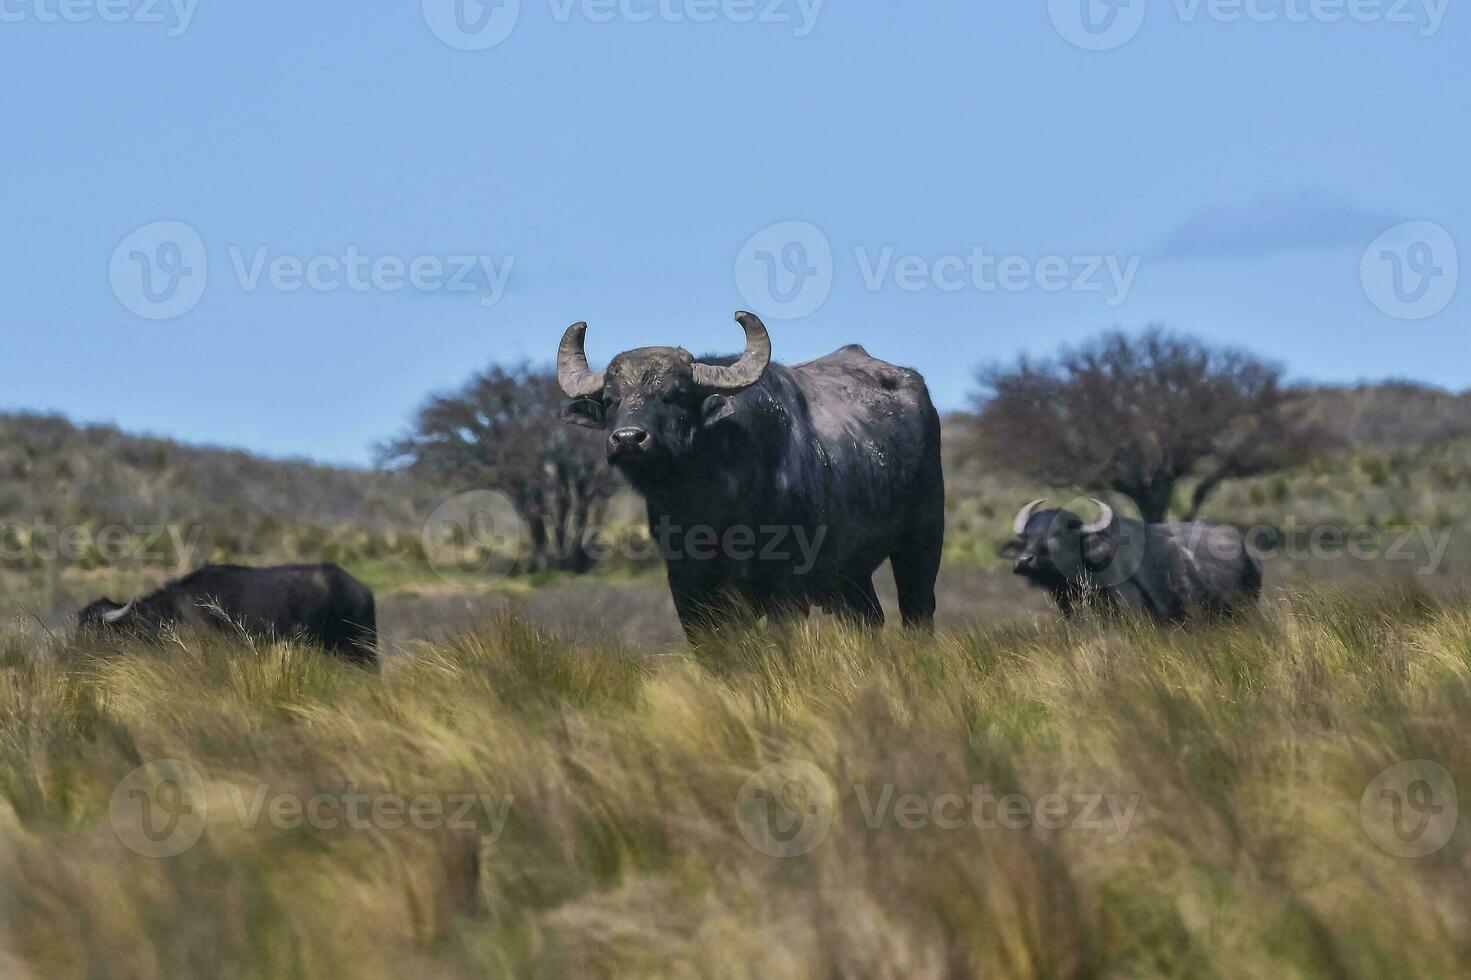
(782,610)
(858,603)
(916,564)
(701,611)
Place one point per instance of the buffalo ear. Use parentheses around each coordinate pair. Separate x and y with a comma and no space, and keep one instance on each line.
(1099,549)
(586,412)
(1010,549)
(717,408)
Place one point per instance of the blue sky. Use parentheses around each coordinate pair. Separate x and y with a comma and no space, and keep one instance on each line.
(946,183)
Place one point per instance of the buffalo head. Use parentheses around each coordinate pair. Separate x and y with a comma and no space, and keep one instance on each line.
(1057,546)
(104,614)
(655,401)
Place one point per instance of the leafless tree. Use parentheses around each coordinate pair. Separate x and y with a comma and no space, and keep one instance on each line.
(1138,415)
(501,431)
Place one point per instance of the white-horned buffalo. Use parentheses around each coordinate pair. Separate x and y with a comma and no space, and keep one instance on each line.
(319,603)
(772,487)
(1169,571)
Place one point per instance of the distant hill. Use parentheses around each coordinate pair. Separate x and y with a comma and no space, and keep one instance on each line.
(112,489)
(1395,416)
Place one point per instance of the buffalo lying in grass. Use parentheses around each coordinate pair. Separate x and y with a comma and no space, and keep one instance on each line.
(319,603)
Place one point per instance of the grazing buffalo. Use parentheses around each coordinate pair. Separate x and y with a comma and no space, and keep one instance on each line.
(321,603)
(772,487)
(1168,571)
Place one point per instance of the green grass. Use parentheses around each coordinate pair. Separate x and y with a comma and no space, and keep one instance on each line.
(1245,747)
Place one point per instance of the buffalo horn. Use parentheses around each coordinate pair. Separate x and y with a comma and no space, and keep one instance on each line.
(1019,526)
(1105,518)
(748,369)
(573,374)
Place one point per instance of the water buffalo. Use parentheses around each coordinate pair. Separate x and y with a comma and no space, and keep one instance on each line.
(770,487)
(1168,571)
(320,603)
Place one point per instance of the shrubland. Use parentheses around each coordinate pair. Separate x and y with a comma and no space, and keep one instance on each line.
(1230,763)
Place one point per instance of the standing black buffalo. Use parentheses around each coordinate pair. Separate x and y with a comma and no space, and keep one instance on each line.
(320,603)
(769,486)
(1169,571)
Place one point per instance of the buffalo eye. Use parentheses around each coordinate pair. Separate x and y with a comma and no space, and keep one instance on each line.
(590,413)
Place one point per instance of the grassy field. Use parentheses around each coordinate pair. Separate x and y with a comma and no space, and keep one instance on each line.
(1027,800)
(546,780)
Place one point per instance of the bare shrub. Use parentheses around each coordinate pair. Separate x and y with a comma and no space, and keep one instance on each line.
(502,431)
(1139,415)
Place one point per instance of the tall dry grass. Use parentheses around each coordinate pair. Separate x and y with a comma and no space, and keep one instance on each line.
(1246,748)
